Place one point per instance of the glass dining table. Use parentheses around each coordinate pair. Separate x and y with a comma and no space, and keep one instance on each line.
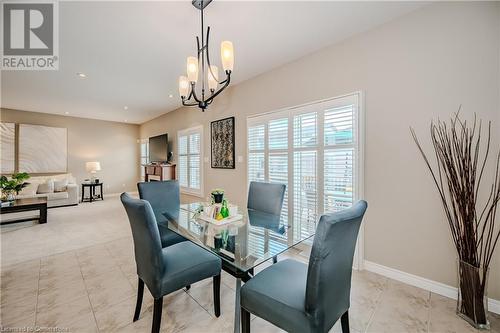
(242,245)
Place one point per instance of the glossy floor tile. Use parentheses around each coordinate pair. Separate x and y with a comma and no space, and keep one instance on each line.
(77,273)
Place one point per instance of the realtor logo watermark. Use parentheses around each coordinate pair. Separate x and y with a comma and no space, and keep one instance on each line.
(30,35)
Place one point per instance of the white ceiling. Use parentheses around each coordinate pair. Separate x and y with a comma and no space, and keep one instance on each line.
(134,52)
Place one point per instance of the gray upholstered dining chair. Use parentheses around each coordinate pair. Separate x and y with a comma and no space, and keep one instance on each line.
(267,198)
(164,199)
(309,298)
(165,270)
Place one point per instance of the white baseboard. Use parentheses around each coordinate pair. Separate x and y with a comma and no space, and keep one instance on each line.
(423,283)
(117,194)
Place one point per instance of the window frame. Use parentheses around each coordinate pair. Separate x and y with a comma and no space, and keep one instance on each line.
(320,147)
(144,142)
(187,132)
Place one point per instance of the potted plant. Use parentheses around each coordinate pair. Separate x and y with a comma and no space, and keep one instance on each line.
(217,195)
(10,187)
(459,169)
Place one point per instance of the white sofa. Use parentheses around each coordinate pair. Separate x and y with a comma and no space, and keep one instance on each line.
(66,195)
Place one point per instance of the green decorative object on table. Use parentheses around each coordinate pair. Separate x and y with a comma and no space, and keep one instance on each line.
(10,187)
(224,211)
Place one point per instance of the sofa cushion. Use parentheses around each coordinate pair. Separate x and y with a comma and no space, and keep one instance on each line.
(30,190)
(57,196)
(60,185)
(47,187)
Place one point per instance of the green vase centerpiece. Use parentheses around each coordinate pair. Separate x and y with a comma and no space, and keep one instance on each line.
(224,211)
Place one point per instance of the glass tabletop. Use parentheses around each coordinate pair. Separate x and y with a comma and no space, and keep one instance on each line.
(242,244)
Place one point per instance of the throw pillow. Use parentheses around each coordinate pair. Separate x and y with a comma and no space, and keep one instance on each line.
(29,190)
(47,187)
(60,185)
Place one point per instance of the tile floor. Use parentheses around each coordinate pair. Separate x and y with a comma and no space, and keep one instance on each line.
(77,273)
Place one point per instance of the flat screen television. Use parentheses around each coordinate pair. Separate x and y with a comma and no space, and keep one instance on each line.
(158,149)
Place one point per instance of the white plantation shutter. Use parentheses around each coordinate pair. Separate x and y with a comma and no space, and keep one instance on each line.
(194,161)
(305,190)
(256,138)
(305,178)
(278,158)
(305,132)
(256,143)
(189,166)
(278,134)
(339,182)
(314,150)
(340,157)
(338,124)
(144,156)
(182,167)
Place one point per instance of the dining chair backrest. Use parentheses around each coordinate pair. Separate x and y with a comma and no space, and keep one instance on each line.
(163,196)
(330,265)
(266,197)
(147,242)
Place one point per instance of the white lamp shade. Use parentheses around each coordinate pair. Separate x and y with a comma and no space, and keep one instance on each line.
(213,79)
(227,55)
(192,69)
(93,167)
(183,86)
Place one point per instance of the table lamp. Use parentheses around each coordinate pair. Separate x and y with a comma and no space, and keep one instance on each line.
(92,168)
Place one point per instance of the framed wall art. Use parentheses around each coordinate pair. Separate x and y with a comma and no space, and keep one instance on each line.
(7,147)
(43,149)
(222,139)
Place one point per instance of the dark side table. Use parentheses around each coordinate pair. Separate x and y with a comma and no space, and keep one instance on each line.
(92,192)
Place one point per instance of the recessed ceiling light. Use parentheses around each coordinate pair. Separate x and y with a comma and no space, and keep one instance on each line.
(125,107)
(170,95)
(126,120)
(82,75)
(66,112)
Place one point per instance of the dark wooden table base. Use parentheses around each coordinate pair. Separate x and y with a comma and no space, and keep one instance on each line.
(25,205)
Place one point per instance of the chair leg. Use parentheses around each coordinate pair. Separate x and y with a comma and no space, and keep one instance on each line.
(188,287)
(275,259)
(158,304)
(216,288)
(140,293)
(245,321)
(344,320)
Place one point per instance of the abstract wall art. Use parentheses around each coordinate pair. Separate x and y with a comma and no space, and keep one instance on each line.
(222,136)
(7,147)
(43,149)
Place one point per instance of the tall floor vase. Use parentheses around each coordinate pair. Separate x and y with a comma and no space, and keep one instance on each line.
(472,304)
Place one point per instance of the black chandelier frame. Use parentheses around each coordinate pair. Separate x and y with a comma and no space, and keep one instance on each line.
(193,99)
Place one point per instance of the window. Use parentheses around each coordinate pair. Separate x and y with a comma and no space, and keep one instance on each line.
(314,150)
(144,156)
(189,166)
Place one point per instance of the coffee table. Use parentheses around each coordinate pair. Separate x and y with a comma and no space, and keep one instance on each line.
(24,205)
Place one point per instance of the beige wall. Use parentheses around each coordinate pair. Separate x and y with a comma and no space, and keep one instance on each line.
(113,144)
(419,67)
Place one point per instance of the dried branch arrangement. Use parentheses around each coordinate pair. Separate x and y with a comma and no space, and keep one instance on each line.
(457,176)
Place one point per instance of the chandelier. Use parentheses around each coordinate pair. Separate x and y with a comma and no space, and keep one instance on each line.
(210,84)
